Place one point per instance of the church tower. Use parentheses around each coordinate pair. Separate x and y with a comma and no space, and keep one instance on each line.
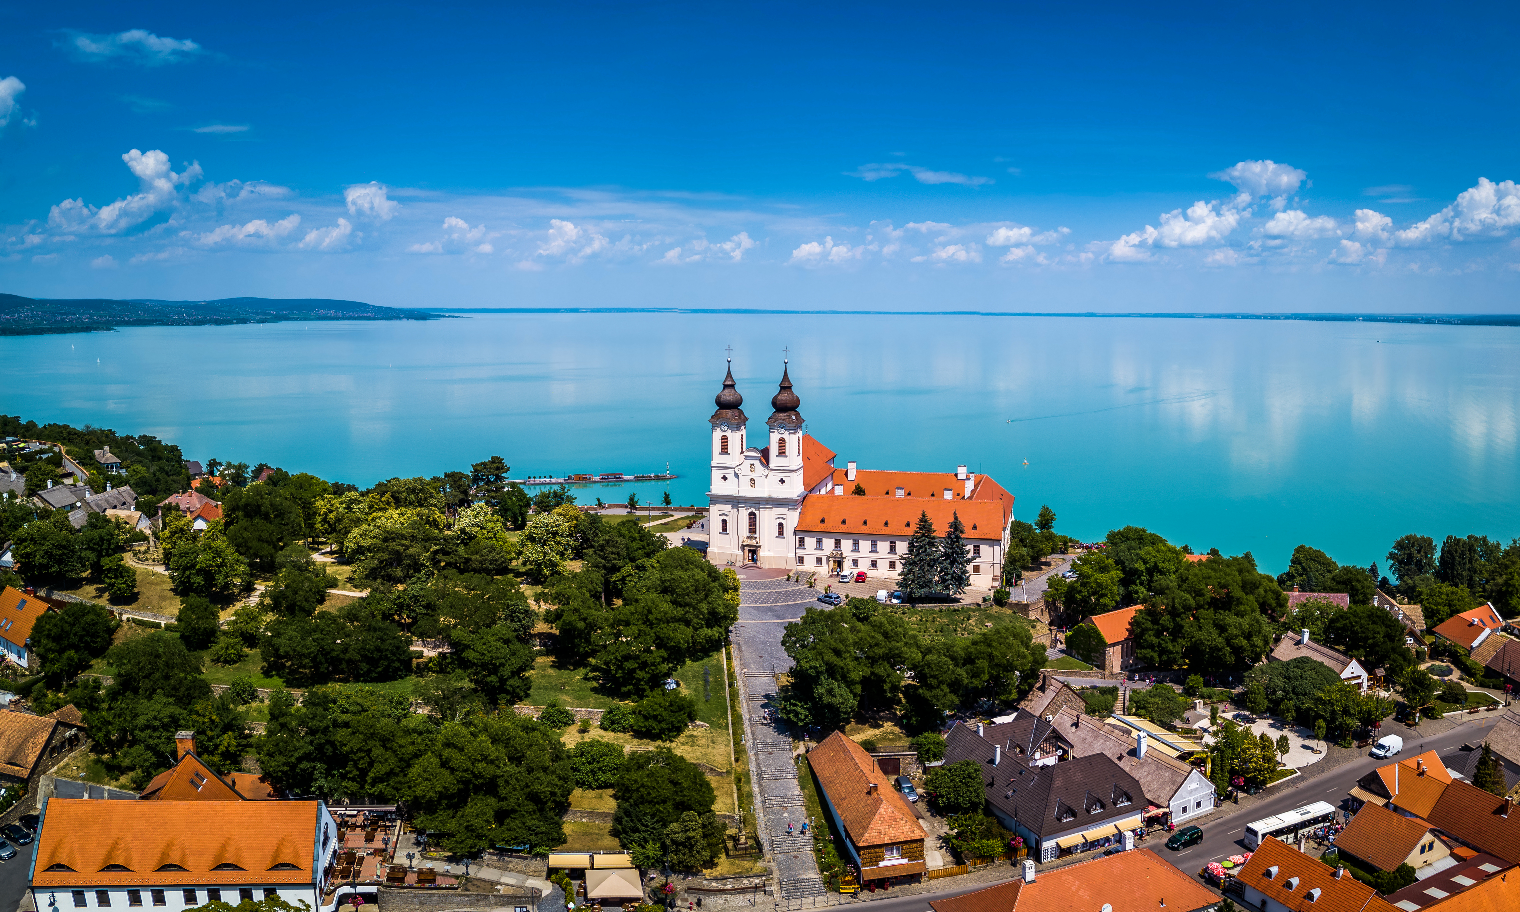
(727,436)
(786,436)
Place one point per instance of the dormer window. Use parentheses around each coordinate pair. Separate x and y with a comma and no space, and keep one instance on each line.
(112,867)
(285,866)
(1272,872)
(1292,883)
(228,866)
(171,866)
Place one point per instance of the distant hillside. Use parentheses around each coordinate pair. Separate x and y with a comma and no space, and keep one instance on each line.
(35,316)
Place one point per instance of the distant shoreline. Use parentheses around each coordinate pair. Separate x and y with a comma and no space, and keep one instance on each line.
(1428,319)
(22,316)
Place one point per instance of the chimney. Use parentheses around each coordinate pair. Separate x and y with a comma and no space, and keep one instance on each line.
(899,492)
(1504,809)
(1295,588)
(979,729)
(849,470)
(949,495)
(1303,637)
(50,484)
(1340,871)
(997,755)
(839,489)
(960,472)
(1028,870)
(1140,739)
(184,743)
(970,483)
(108,486)
(871,788)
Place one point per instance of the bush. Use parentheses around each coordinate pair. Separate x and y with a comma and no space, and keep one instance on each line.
(152,625)
(1453,692)
(1193,686)
(227,650)
(242,692)
(617,719)
(957,788)
(1100,701)
(596,763)
(869,744)
(663,715)
(198,622)
(556,715)
(1000,597)
(930,747)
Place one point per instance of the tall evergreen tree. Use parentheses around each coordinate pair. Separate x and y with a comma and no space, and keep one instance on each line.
(488,479)
(953,575)
(920,566)
(1488,775)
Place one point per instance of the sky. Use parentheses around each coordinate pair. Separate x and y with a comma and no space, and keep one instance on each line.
(1019,157)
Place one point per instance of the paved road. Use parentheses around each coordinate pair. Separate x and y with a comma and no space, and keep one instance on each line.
(13,878)
(1223,836)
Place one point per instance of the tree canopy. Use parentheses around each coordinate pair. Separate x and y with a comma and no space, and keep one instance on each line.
(1211,616)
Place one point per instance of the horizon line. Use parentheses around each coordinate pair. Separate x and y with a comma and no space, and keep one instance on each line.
(1417,318)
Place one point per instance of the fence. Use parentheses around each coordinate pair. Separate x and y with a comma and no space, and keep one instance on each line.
(952,871)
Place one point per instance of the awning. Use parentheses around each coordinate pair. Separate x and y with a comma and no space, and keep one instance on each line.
(1361,794)
(606,862)
(1156,812)
(1131,823)
(1067,842)
(569,860)
(621,883)
(1096,833)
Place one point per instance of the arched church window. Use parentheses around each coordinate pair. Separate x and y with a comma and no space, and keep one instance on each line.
(723,527)
(723,445)
(780,446)
(754,523)
(781,530)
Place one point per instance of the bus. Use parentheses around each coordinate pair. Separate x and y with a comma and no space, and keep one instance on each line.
(1286,826)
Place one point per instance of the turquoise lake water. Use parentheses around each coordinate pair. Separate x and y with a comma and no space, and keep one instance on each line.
(1241,435)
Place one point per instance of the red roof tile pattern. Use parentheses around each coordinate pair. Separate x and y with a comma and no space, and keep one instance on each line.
(817,462)
(23,738)
(1114,625)
(1402,773)
(18,612)
(1296,598)
(1137,881)
(1384,839)
(1465,628)
(1288,876)
(896,517)
(1499,893)
(871,817)
(189,779)
(1486,822)
(169,843)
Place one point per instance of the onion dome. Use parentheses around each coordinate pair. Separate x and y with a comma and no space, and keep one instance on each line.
(728,401)
(785,403)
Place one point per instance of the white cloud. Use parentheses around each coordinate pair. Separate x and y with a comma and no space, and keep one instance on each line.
(159,191)
(703,249)
(222,128)
(1021,240)
(1353,253)
(158,256)
(258,229)
(459,235)
(816,253)
(875,172)
(1372,226)
(1263,178)
(134,45)
(103,262)
(370,200)
(328,239)
(1201,225)
(10,89)
(45,259)
(430,247)
(236,191)
(571,241)
(1294,224)
(952,253)
(1484,210)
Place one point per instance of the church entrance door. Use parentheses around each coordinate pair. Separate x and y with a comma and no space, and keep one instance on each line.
(752,555)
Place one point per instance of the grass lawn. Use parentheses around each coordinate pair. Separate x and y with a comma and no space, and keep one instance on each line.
(676,524)
(702,680)
(343,572)
(588,837)
(249,668)
(1068,663)
(569,686)
(593,800)
(153,594)
(885,734)
(700,745)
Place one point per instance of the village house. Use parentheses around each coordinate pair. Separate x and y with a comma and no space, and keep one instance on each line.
(174,855)
(109,463)
(1049,697)
(197,507)
(1279,878)
(1338,599)
(1384,839)
(1171,785)
(18,612)
(1289,648)
(883,838)
(1119,654)
(1470,628)
(1478,819)
(1410,784)
(1470,885)
(1499,653)
(190,779)
(31,745)
(1411,616)
(1137,881)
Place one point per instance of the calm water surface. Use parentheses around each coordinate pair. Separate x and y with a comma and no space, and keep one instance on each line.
(1241,435)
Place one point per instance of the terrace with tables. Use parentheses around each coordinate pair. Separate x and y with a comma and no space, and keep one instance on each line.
(367,856)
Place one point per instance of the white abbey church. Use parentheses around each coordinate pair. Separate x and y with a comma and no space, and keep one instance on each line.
(785,504)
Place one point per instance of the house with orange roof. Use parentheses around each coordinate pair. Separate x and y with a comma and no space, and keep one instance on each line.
(1119,654)
(1470,628)
(1136,881)
(18,613)
(1476,883)
(173,855)
(882,835)
(190,779)
(1411,784)
(1384,839)
(31,745)
(1289,648)
(1478,819)
(786,504)
(1279,878)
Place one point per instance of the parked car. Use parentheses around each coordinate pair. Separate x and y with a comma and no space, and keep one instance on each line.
(897,597)
(860,576)
(881,596)
(845,576)
(1185,837)
(831,598)
(16,834)
(7,851)
(905,785)
(30,821)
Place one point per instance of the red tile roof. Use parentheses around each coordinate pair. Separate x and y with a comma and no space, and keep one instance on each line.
(1384,839)
(1402,773)
(1287,876)
(189,779)
(1296,598)
(23,737)
(1137,881)
(18,612)
(1487,822)
(817,462)
(896,517)
(1499,893)
(169,843)
(1195,558)
(872,817)
(1464,629)
(1114,625)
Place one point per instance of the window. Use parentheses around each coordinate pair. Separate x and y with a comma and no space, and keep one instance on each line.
(752,482)
(754,522)
(891,565)
(103,898)
(781,530)
(723,445)
(1198,806)
(855,562)
(79,902)
(873,546)
(855,545)
(873,565)
(214,895)
(271,893)
(134,897)
(245,894)
(801,560)
(158,898)
(976,550)
(190,899)
(893,852)
(891,547)
(780,446)
(722,527)
(838,544)
(818,562)
(801,541)
(818,544)
(976,568)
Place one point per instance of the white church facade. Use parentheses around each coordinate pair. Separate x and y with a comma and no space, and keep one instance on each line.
(785,505)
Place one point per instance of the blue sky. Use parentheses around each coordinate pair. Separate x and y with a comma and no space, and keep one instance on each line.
(993,156)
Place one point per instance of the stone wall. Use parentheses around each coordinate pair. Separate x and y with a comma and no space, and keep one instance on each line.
(394,900)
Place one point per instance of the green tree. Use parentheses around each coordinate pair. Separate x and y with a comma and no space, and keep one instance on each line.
(956,788)
(859,490)
(1256,699)
(550,499)
(1086,642)
(596,763)
(48,550)
(1410,558)
(953,575)
(68,640)
(1320,731)
(920,565)
(1212,615)
(845,660)
(1046,520)
(1310,570)
(930,747)
(226,650)
(1442,601)
(1489,776)
(497,662)
(665,499)
(206,564)
(664,715)
(514,507)
(37,476)
(297,592)
(1159,703)
(693,841)
(1355,582)
(547,545)
(261,521)
(120,580)
(1096,588)
(653,790)
(198,622)
(1146,561)
(1418,687)
(488,480)
(1193,686)
(1312,615)
(1372,636)
(1283,745)
(1386,882)
(1285,686)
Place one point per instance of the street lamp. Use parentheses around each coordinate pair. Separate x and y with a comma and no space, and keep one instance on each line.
(409,857)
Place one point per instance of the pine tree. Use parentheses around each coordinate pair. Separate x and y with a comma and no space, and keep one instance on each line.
(952,574)
(1488,776)
(920,566)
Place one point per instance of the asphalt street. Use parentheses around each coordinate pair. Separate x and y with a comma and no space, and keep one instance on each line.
(13,878)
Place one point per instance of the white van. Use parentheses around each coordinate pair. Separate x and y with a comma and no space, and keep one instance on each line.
(1388,746)
(881,596)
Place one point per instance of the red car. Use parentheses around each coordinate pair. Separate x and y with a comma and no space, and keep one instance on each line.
(860,576)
